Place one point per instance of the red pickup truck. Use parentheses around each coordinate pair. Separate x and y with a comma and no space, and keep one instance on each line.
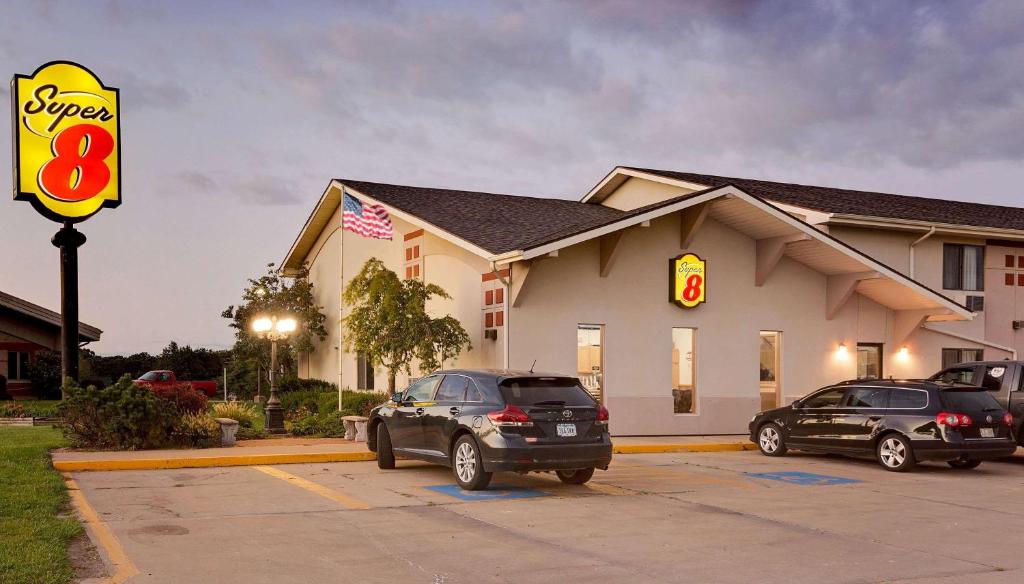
(164,378)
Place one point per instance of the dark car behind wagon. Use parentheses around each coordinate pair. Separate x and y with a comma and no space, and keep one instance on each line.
(479,422)
(899,422)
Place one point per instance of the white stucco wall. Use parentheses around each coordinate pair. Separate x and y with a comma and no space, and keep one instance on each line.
(632,303)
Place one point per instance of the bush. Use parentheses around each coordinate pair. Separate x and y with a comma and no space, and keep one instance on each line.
(250,434)
(44,372)
(12,409)
(183,396)
(121,416)
(323,425)
(199,430)
(242,413)
(327,402)
(361,402)
(308,399)
(41,408)
(293,384)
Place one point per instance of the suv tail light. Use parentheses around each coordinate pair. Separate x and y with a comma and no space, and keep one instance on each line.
(510,416)
(602,416)
(1008,419)
(953,420)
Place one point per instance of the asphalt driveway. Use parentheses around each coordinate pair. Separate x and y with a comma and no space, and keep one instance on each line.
(714,517)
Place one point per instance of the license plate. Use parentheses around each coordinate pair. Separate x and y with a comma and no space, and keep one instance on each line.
(566,430)
(988,433)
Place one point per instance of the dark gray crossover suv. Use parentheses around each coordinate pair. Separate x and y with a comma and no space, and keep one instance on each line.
(483,421)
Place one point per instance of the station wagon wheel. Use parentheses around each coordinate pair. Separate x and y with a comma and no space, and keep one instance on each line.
(964,463)
(895,453)
(769,440)
(385,454)
(576,476)
(467,465)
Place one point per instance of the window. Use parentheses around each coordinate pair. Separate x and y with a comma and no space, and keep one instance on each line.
(992,380)
(422,390)
(493,299)
(830,398)
(908,399)
(365,374)
(453,389)
(975,303)
(413,259)
(967,400)
(769,374)
(551,391)
(590,359)
(17,365)
(867,397)
(869,360)
(684,391)
(952,357)
(955,375)
(963,267)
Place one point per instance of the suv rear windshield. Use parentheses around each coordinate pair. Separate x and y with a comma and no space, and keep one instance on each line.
(969,400)
(553,391)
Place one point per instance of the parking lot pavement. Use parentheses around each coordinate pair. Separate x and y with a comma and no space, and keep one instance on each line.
(715,517)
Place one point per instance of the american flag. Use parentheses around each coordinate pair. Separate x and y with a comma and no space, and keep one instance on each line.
(365,219)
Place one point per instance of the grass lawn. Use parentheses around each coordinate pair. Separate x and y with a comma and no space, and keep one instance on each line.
(33,539)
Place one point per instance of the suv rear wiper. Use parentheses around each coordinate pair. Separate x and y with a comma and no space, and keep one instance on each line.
(550,402)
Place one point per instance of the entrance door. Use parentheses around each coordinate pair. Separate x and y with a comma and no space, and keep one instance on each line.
(869,361)
(590,358)
(771,359)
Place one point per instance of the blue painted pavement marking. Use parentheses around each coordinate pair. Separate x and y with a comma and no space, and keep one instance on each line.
(802,478)
(494,492)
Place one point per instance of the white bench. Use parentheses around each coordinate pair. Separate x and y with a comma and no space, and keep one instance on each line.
(355,427)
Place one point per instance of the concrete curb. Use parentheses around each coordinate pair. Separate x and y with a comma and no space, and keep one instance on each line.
(209,461)
(316,457)
(664,448)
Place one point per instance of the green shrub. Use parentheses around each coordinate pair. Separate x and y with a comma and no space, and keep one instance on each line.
(307,425)
(327,402)
(44,372)
(121,416)
(242,413)
(41,408)
(250,433)
(199,430)
(308,399)
(331,425)
(361,402)
(293,384)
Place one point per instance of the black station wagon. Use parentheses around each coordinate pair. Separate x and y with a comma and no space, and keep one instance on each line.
(483,421)
(898,422)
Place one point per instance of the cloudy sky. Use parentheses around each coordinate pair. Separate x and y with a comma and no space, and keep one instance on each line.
(236,115)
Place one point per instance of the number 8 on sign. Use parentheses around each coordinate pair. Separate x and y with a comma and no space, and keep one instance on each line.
(687,280)
(78,171)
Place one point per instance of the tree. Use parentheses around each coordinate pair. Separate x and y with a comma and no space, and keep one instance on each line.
(389,323)
(273,293)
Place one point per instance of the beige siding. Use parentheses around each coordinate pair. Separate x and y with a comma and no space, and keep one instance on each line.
(632,303)
(638,192)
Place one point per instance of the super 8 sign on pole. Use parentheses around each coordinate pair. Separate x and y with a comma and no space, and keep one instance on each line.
(687,276)
(67,142)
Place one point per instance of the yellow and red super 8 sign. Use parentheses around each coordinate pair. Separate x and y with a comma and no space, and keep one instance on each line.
(687,280)
(67,142)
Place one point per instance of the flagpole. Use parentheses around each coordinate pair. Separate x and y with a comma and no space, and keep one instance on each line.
(341,305)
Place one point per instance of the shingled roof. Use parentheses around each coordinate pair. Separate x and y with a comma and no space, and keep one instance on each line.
(494,222)
(864,203)
(45,316)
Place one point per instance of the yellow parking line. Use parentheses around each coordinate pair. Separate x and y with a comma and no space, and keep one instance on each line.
(327,493)
(123,567)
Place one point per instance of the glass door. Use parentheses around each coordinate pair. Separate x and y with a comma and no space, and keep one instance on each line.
(869,360)
(590,358)
(771,360)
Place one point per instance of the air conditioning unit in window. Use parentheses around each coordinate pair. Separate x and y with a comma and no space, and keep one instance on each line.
(975,303)
(492,334)
(1018,324)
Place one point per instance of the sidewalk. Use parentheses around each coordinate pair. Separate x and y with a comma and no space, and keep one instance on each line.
(314,450)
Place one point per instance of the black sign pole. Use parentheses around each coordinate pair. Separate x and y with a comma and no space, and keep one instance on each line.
(68,240)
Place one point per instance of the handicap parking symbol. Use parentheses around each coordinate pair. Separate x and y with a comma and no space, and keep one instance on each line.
(802,478)
(494,493)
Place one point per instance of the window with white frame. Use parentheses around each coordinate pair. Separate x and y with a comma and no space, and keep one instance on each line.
(413,266)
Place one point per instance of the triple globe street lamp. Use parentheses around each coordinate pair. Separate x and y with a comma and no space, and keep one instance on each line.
(274,329)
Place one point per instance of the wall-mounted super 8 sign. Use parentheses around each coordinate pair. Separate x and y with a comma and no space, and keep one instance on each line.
(67,142)
(687,278)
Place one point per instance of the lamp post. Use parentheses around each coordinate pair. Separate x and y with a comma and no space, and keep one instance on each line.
(274,329)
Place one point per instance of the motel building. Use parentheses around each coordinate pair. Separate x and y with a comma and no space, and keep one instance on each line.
(799,287)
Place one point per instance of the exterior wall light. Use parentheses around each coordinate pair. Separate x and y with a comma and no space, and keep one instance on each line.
(841,351)
(903,354)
